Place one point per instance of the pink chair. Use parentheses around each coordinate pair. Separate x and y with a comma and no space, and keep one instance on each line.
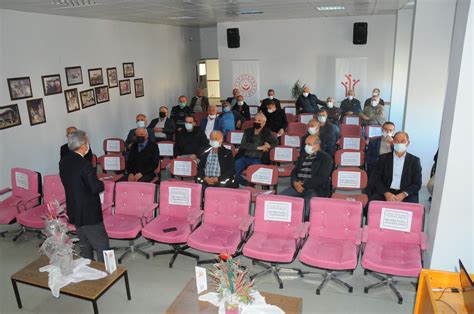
(351,181)
(184,168)
(290,117)
(234,137)
(297,128)
(134,208)
(352,142)
(373,131)
(305,118)
(180,208)
(291,141)
(350,130)
(200,116)
(25,193)
(247,125)
(225,224)
(33,219)
(393,248)
(112,165)
(265,176)
(278,233)
(352,119)
(334,238)
(166,149)
(349,158)
(285,158)
(113,145)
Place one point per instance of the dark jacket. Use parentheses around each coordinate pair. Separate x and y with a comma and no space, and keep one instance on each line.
(328,137)
(217,124)
(178,115)
(169,128)
(230,99)
(82,189)
(188,143)
(244,110)
(373,151)
(204,103)
(250,142)
(308,104)
(144,162)
(350,105)
(369,100)
(320,174)
(276,120)
(411,174)
(66,151)
(266,101)
(131,138)
(226,163)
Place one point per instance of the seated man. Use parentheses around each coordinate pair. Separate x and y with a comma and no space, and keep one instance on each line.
(334,113)
(242,107)
(375,93)
(143,159)
(199,103)
(397,177)
(231,120)
(233,100)
(191,140)
(163,127)
(255,146)
(350,105)
(212,122)
(180,111)
(374,113)
(141,123)
(216,167)
(327,133)
(270,98)
(311,175)
(276,118)
(307,102)
(313,129)
(379,146)
(65,149)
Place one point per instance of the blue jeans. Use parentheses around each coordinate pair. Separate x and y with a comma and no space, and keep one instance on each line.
(241,164)
(307,199)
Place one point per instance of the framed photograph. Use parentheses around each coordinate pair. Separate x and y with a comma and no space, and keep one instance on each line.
(102,94)
(52,84)
(112,77)
(128,69)
(72,100)
(139,91)
(20,88)
(124,86)
(73,75)
(9,116)
(87,98)
(36,111)
(96,77)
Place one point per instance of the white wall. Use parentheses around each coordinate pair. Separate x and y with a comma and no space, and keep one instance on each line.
(306,49)
(208,42)
(36,44)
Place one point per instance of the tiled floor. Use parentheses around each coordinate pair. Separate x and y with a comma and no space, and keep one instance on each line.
(154,286)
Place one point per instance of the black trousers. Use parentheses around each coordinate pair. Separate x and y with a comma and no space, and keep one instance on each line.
(380,197)
(93,238)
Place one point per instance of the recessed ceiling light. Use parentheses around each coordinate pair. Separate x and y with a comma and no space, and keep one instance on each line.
(330,8)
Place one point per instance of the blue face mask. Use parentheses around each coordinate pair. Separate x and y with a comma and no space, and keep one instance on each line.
(226,109)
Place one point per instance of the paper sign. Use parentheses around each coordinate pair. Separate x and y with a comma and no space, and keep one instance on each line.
(305,118)
(236,137)
(112,163)
(292,141)
(348,179)
(101,195)
(351,143)
(375,131)
(350,159)
(219,108)
(291,110)
(283,154)
(201,279)
(109,261)
(179,196)
(263,176)
(21,180)
(182,168)
(113,146)
(277,211)
(352,120)
(396,219)
(166,149)
(253,110)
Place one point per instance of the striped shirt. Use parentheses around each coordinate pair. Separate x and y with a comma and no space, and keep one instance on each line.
(306,165)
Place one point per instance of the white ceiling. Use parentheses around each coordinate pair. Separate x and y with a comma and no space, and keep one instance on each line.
(206,12)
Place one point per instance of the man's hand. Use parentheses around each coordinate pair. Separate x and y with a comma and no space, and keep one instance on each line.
(298,186)
(158,130)
(138,176)
(389,139)
(349,113)
(400,197)
(207,180)
(280,132)
(238,124)
(131,178)
(390,197)
(193,157)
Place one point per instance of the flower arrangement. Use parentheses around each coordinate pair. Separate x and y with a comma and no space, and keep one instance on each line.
(232,282)
(297,89)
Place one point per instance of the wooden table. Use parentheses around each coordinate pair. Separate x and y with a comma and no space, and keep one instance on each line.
(90,290)
(187,302)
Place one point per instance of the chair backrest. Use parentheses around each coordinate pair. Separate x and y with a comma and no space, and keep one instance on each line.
(234,137)
(335,218)
(395,222)
(349,179)
(53,189)
(94,160)
(373,131)
(265,175)
(297,128)
(112,162)
(291,110)
(352,142)
(247,125)
(183,167)
(109,190)
(230,147)
(290,117)
(291,140)
(199,116)
(132,198)
(166,148)
(349,158)
(113,145)
(350,130)
(352,120)
(25,182)
(305,117)
(278,214)
(253,110)
(284,154)
(225,206)
(178,198)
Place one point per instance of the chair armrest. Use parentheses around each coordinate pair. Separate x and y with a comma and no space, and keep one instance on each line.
(365,234)
(301,231)
(194,216)
(245,223)
(359,235)
(26,201)
(3,191)
(147,213)
(107,207)
(423,241)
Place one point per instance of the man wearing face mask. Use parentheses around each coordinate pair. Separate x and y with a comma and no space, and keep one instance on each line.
(212,122)
(255,147)
(82,189)
(242,107)
(397,177)
(379,146)
(307,102)
(375,93)
(313,129)
(373,114)
(334,113)
(311,175)
(191,140)
(163,127)
(235,94)
(143,158)
(180,111)
(141,122)
(350,105)
(199,103)
(266,101)
(327,132)
(65,149)
(230,120)
(276,119)
(216,167)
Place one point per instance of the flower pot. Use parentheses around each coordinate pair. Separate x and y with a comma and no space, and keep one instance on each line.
(231,308)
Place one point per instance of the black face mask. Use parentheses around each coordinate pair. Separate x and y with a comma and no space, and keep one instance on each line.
(162,114)
(257,125)
(140,139)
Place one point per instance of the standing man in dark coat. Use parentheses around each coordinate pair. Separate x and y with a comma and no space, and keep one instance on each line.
(65,149)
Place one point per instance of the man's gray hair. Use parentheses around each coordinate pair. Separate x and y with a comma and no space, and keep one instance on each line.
(76,140)
(261,115)
(404,133)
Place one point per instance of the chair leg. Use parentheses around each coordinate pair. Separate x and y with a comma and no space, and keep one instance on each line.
(388,280)
(275,273)
(176,251)
(133,248)
(339,281)
(19,234)
(322,284)
(395,291)
(268,269)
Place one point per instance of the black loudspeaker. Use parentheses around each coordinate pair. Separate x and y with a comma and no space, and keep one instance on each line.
(233,38)
(360,34)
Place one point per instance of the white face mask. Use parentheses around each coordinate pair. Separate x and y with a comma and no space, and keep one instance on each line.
(215,144)
(271,110)
(350,97)
(385,134)
(140,124)
(400,147)
(308,149)
(322,119)
(240,102)
(330,104)
(305,94)
(374,103)
(212,116)
(375,93)
(270,97)
(188,126)
(312,130)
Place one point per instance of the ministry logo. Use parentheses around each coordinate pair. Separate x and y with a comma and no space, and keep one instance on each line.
(247,84)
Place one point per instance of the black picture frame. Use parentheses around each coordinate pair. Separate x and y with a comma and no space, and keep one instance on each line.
(124,90)
(96,77)
(36,111)
(112,77)
(128,69)
(87,102)
(52,84)
(72,100)
(139,88)
(73,75)
(20,87)
(99,94)
(9,116)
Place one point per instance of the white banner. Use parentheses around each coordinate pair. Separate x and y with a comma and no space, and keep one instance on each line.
(351,73)
(246,77)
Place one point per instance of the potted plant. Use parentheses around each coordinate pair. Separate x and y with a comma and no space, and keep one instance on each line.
(297,89)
